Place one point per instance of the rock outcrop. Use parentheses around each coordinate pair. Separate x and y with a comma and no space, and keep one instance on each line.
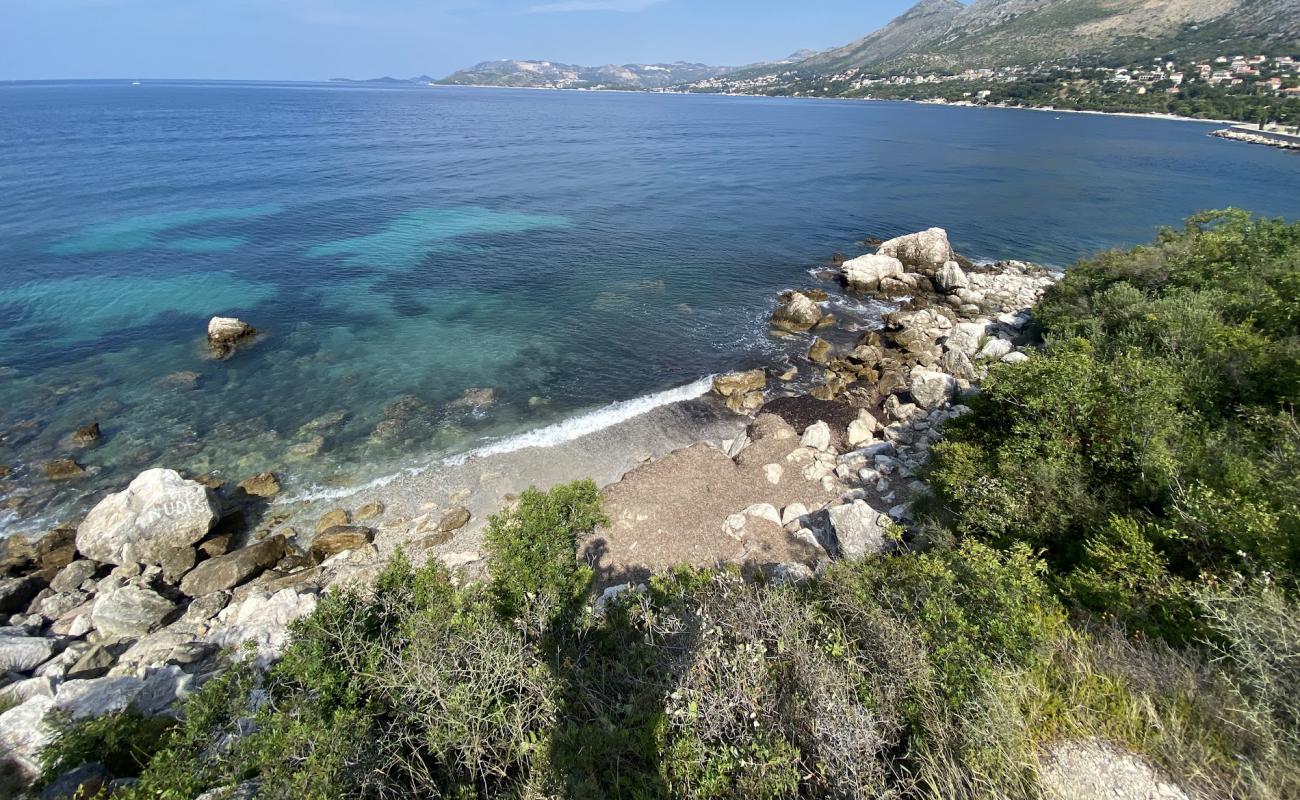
(159,512)
(927,250)
(865,273)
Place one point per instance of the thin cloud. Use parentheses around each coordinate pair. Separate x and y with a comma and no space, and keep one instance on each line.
(569,6)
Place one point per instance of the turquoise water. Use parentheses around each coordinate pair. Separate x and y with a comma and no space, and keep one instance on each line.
(400,246)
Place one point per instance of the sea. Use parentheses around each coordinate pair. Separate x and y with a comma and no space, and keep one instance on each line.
(440,271)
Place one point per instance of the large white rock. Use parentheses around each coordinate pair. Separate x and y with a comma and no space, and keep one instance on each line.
(930,388)
(994,349)
(866,272)
(951,277)
(158,512)
(228,330)
(817,436)
(24,653)
(859,528)
(262,619)
(966,337)
(130,611)
(23,733)
(97,696)
(928,249)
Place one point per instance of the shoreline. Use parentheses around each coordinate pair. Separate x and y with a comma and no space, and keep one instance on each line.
(1048,109)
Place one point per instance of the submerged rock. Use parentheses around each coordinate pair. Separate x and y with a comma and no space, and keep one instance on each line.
(158,512)
(87,435)
(62,469)
(264,484)
(226,333)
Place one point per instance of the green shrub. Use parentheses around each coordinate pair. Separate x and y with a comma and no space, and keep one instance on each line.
(123,742)
(532,550)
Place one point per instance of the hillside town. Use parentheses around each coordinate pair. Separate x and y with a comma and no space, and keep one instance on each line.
(1278,75)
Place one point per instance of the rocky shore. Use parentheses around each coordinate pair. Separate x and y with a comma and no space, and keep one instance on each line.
(138,603)
(1278,139)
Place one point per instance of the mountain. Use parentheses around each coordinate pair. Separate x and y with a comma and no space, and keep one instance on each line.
(921,25)
(948,35)
(548,74)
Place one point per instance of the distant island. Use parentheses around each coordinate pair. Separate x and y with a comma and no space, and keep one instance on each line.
(1236,60)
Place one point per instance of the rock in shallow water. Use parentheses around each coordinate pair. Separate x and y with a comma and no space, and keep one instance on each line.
(226,333)
(796,312)
(158,512)
(866,272)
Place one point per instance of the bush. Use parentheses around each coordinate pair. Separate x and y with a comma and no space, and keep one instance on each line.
(532,549)
(123,742)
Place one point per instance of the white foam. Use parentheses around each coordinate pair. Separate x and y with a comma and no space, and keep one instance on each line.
(591,422)
(549,436)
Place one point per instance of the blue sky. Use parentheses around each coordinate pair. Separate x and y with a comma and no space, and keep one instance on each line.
(314,39)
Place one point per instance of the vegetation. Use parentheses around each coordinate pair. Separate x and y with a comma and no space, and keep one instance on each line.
(1113,555)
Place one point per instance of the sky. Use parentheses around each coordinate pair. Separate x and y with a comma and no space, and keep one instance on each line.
(321,39)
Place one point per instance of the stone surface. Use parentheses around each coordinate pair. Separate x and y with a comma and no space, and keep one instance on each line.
(72,576)
(264,484)
(94,663)
(859,528)
(159,511)
(230,570)
(865,273)
(333,519)
(24,653)
(1091,770)
(262,619)
(130,611)
(796,312)
(455,519)
(951,277)
(928,249)
(931,389)
(740,382)
(22,733)
(817,436)
(339,539)
(16,593)
(79,783)
(820,352)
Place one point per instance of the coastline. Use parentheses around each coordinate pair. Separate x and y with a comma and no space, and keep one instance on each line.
(1049,109)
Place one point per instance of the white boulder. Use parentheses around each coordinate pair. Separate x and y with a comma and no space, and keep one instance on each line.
(23,733)
(932,389)
(130,611)
(928,249)
(859,528)
(866,272)
(146,522)
(817,437)
(262,619)
(951,278)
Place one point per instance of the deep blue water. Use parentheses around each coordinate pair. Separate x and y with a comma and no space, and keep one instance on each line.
(406,244)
